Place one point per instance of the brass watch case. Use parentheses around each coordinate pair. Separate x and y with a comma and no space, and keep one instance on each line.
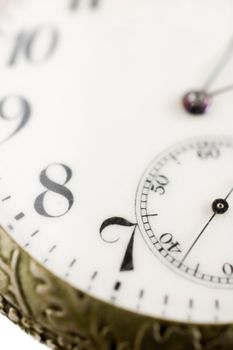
(63,317)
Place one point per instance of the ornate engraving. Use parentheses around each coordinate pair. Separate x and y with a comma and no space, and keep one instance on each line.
(9,279)
(64,318)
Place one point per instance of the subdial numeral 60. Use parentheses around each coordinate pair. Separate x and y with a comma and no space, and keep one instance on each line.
(208,150)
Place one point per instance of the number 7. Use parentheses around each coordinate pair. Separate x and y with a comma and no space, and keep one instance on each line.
(128,261)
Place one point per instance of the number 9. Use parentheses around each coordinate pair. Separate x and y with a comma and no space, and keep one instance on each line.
(13,108)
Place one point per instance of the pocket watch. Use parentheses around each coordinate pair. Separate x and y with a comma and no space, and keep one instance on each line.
(116,172)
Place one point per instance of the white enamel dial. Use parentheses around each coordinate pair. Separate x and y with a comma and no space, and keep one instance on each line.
(90,93)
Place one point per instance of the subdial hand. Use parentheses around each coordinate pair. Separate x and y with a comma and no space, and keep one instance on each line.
(197,102)
(219,206)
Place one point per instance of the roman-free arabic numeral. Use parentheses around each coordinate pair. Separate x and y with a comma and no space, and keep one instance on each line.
(128,261)
(227,269)
(168,240)
(208,150)
(35,46)
(56,189)
(75,4)
(16,110)
(160,183)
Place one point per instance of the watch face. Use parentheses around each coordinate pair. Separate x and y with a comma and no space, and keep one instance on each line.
(116,149)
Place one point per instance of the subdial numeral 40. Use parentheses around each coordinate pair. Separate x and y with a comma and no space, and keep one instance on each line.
(170,243)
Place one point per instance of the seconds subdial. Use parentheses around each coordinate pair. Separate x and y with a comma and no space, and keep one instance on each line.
(192,227)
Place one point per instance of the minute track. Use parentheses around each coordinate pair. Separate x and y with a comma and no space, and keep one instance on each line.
(147,197)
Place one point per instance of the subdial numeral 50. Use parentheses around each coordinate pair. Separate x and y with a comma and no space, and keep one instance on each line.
(160,183)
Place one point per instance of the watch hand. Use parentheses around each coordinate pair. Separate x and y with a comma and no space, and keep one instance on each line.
(227,55)
(198,237)
(221,90)
(219,206)
(197,102)
(228,195)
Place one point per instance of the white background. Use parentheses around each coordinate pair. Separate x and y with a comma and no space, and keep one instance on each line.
(12,337)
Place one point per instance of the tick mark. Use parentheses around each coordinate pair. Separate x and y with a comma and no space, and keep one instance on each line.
(191,303)
(52,249)
(117,286)
(166,300)
(140,297)
(141,294)
(217,305)
(19,216)
(94,275)
(149,215)
(6,198)
(196,269)
(176,160)
(73,262)
(34,233)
